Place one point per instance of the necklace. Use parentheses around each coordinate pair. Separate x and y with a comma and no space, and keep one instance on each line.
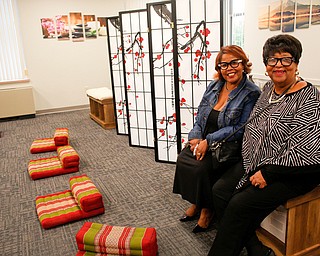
(282,95)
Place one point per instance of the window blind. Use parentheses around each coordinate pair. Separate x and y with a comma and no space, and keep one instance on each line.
(12,65)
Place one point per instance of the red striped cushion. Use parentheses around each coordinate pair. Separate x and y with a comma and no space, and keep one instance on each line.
(98,238)
(68,156)
(47,167)
(87,253)
(60,208)
(61,137)
(43,145)
(86,193)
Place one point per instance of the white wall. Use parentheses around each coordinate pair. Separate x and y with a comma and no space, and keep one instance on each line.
(61,71)
(255,39)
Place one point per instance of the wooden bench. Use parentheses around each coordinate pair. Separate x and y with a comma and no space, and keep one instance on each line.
(301,233)
(102,107)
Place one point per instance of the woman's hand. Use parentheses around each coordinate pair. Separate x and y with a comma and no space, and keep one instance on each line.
(257,180)
(193,143)
(201,149)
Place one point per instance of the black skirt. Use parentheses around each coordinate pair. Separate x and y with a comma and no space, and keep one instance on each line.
(194,178)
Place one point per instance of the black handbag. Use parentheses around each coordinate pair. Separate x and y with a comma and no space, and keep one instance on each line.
(226,151)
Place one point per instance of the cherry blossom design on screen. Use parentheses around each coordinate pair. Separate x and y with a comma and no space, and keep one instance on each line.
(201,54)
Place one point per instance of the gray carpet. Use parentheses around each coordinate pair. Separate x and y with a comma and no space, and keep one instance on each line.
(137,191)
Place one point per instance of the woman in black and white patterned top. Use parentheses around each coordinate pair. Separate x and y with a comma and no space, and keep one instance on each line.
(281,153)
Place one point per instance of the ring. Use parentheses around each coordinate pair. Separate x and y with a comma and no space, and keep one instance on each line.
(257,184)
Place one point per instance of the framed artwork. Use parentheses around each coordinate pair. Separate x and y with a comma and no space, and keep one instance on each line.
(303,14)
(275,16)
(263,22)
(102,26)
(117,73)
(136,68)
(315,15)
(48,28)
(77,26)
(90,26)
(288,14)
(62,26)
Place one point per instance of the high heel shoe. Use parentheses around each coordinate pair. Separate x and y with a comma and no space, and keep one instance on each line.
(193,211)
(198,229)
(186,218)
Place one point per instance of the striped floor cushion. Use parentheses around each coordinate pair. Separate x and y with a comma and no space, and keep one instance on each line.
(43,145)
(86,253)
(85,193)
(99,238)
(47,167)
(68,156)
(61,208)
(61,136)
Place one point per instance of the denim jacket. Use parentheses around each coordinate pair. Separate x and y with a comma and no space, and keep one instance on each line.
(235,113)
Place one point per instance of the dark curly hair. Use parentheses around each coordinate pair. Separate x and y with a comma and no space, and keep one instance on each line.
(280,44)
(236,51)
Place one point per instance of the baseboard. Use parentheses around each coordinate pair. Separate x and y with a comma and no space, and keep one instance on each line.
(60,110)
(13,118)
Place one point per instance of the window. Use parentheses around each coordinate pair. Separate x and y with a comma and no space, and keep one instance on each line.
(234,22)
(12,65)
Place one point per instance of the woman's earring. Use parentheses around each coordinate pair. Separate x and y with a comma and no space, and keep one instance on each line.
(266,73)
(297,73)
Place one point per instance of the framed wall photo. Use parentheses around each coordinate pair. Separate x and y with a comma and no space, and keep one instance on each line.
(102,26)
(288,14)
(275,16)
(315,16)
(62,25)
(76,26)
(48,28)
(263,20)
(303,14)
(90,26)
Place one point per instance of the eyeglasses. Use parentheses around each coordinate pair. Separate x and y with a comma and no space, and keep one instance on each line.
(233,64)
(286,61)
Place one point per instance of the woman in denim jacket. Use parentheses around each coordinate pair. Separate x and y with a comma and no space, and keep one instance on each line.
(225,106)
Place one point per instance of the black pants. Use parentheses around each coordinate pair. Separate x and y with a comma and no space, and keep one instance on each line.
(194,179)
(240,213)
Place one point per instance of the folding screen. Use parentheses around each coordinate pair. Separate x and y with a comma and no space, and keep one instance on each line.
(136,69)
(199,33)
(116,72)
(164,77)
(184,39)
